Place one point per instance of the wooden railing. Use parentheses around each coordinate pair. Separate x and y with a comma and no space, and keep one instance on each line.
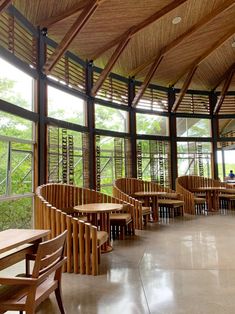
(185,184)
(54,211)
(124,188)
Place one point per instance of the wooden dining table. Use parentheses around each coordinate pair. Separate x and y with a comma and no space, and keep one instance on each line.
(16,243)
(149,196)
(98,215)
(212,196)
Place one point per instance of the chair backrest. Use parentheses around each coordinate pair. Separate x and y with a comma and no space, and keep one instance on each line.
(50,256)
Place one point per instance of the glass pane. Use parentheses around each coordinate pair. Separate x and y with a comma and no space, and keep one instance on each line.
(110,119)
(194,158)
(151,124)
(3,167)
(16,214)
(64,106)
(193,127)
(13,126)
(227,127)
(21,169)
(226,160)
(16,87)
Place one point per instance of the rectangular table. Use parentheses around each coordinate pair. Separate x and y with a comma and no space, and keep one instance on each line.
(16,243)
(212,196)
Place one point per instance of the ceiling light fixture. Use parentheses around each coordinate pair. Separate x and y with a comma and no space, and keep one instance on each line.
(176,20)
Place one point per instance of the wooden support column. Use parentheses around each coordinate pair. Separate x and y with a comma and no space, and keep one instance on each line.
(147,79)
(71,34)
(132,126)
(91,125)
(173,137)
(42,111)
(214,134)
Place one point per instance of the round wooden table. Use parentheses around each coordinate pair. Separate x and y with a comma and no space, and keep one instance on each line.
(101,210)
(153,195)
(212,196)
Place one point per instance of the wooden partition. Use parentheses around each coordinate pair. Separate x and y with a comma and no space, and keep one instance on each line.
(54,211)
(124,188)
(185,184)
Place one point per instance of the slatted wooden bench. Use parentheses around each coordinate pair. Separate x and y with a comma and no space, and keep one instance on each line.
(195,204)
(125,188)
(54,211)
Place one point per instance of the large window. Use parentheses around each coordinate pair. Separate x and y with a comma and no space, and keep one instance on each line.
(194,158)
(193,127)
(110,119)
(112,161)
(16,87)
(152,124)
(153,161)
(64,106)
(68,157)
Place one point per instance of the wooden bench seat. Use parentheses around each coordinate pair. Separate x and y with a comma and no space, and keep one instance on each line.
(171,207)
(120,225)
(226,200)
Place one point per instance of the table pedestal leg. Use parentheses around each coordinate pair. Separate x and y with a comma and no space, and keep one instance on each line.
(155,208)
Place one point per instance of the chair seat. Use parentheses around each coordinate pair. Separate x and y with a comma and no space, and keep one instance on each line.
(229,191)
(227,196)
(169,202)
(172,195)
(199,200)
(120,217)
(102,237)
(146,210)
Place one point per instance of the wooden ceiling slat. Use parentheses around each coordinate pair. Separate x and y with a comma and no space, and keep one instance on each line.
(87,12)
(4,4)
(216,45)
(224,91)
(206,19)
(68,13)
(148,78)
(184,88)
(109,65)
(135,29)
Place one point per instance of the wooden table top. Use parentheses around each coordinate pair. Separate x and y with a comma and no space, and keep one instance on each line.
(98,207)
(208,188)
(12,238)
(151,193)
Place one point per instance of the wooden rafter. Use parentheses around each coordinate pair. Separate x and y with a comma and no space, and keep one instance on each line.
(224,91)
(147,79)
(87,12)
(4,4)
(223,77)
(68,13)
(184,88)
(135,29)
(206,19)
(109,65)
(199,60)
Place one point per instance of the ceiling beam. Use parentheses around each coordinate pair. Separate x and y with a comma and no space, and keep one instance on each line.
(4,4)
(109,65)
(135,29)
(184,88)
(80,22)
(199,60)
(206,19)
(224,91)
(147,79)
(64,15)
(223,77)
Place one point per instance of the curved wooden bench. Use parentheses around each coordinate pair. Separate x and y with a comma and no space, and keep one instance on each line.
(124,188)
(185,184)
(54,211)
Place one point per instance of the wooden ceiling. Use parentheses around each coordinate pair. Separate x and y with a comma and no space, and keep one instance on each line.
(128,36)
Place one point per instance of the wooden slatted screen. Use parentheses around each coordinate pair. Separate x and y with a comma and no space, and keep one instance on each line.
(112,90)
(154,99)
(228,105)
(194,103)
(68,71)
(17,39)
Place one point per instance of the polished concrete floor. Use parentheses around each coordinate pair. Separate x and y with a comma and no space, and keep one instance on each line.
(182,267)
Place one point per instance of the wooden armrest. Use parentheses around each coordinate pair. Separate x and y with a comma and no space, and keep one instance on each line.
(17,281)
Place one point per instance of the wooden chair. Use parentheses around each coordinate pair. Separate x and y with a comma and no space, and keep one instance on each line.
(24,292)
